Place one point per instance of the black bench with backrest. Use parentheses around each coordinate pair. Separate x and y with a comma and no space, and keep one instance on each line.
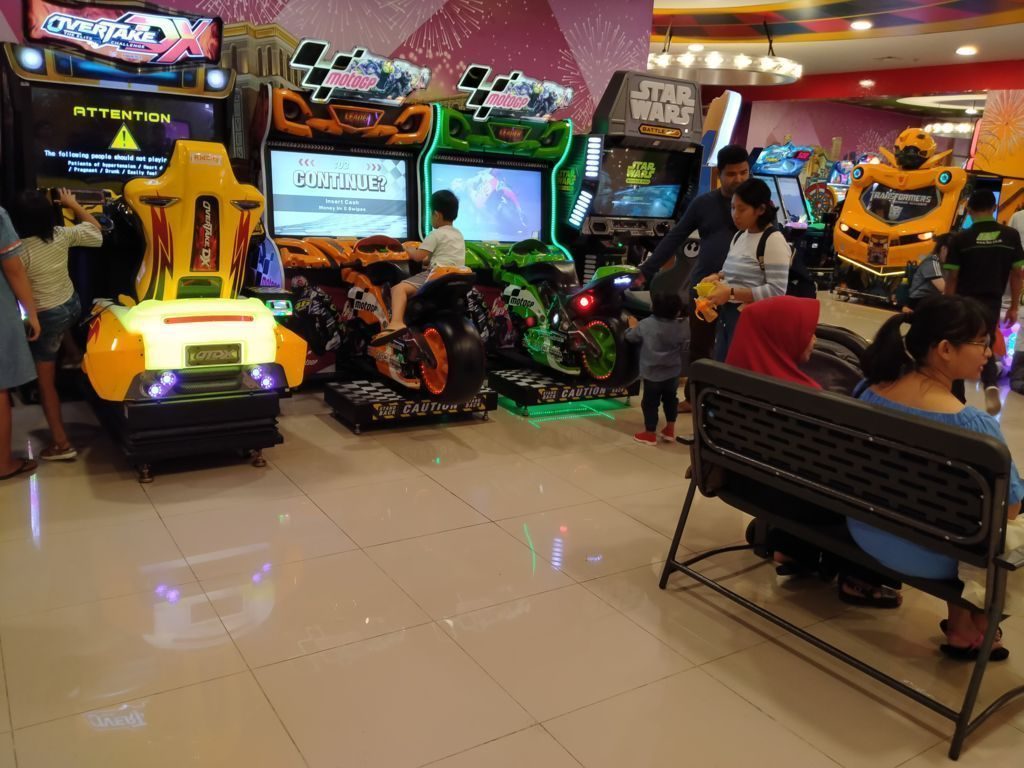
(780,452)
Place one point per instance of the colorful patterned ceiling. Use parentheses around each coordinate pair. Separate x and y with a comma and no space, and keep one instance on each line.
(830,19)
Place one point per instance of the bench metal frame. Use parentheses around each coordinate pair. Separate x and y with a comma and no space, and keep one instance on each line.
(978,461)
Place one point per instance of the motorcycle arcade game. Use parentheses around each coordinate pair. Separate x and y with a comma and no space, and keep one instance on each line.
(174,364)
(627,183)
(891,215)
(552,340)
(339,172)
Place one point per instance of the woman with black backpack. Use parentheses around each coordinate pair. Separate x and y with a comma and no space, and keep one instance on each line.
(757,266)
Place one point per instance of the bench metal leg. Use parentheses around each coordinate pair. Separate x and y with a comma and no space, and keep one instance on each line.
(670,561)
(963,722)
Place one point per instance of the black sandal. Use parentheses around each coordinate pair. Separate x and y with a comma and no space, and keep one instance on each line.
(885,597)
(945,623)
(970,653)
(385,336)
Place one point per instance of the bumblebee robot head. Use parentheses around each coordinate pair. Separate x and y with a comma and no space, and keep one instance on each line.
(913,148)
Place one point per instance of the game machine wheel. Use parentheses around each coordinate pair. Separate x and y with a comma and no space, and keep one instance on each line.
(338,169)
(892,213)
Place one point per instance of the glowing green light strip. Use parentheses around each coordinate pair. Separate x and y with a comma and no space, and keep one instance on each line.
(554,195)
(427,159)
(529,540)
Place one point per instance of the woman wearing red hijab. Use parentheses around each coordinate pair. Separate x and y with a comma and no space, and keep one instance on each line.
(774,337)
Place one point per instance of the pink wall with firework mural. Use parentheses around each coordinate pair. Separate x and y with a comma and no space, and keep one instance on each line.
(578,43)
(1000,147)
(816,122)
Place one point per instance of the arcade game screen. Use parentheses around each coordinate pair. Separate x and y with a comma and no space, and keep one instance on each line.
(88,138)
(792,198)
(640,183)
(495,204)
(770,181)
(316,194)
(968,222)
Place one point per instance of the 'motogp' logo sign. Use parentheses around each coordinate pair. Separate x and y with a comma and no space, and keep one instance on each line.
(511,94)
(141,37)
(356,74)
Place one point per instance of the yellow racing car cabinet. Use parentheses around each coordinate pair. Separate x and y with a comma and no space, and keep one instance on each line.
(895,209)
(191,358)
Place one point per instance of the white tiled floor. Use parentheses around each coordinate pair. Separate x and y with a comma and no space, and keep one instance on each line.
(472,595)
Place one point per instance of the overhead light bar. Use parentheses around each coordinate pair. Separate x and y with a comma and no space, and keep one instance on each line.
(714,67)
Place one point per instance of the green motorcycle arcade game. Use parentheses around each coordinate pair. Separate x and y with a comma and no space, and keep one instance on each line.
(501,155)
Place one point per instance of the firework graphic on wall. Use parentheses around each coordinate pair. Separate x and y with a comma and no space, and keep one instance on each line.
(379,26)
(254,11)
(1001,135)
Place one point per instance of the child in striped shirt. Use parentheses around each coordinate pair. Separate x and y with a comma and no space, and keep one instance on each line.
(46,262)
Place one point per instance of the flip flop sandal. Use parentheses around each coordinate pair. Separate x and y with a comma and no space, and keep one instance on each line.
(945,623)
(970,653)
(885,600)
(385,336)
(56,453)
(27,465)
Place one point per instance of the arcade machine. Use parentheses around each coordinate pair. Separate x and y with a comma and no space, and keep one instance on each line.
(629,178)
(784,168)
(891,215)
(502,155)
(339,172)
(997,165)
(172,368)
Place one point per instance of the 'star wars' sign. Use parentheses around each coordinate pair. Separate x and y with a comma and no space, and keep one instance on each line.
(513,94)
(356,74)
(649,107)
(141,36)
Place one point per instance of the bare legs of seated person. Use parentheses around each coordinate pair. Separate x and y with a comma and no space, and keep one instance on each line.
(964,632)
(400,295)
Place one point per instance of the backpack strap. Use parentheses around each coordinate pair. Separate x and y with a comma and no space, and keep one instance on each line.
(761,245)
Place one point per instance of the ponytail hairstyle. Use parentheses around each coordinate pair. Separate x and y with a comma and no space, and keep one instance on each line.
(756,193)
(956,319)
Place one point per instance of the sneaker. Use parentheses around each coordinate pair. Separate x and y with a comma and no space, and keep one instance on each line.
(668,434)
(992,404)
(56,453)
(646,438)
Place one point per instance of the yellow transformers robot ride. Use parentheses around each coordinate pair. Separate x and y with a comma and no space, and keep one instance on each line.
(892,213)
(205,362)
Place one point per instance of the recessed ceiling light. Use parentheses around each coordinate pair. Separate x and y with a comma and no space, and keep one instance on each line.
(867,83)
(695,47)
(966,50)
(861,25)
(970,111)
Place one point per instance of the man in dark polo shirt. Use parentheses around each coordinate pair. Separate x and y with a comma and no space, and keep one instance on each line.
(981,261)
(710,215)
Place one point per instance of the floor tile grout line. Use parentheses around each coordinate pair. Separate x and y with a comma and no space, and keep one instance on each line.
(478,746)
(7,695)
(565,748)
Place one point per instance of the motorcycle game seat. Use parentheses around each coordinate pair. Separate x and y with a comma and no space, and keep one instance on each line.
(386,272)
(637,301)
(560,273)
(440,292)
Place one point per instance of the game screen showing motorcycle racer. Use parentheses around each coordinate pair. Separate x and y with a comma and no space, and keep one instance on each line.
(640,183)
(316,194)
(501,205)
(83,138)
(894,206)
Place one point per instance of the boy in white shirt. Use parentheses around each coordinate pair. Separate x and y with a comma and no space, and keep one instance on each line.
(443,247)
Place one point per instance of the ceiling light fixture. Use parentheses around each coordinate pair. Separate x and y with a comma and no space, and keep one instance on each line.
(716,68)
(867,83)
(966,50)
(861,25)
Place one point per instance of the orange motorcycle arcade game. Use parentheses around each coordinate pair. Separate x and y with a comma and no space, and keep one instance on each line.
(185,364)
(891,215)
(340,176)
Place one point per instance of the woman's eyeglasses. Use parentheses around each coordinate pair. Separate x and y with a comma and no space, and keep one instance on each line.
(983,344)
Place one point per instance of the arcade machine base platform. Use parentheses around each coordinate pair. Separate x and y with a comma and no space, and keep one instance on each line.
(366,403)
(151,432)
(527,387)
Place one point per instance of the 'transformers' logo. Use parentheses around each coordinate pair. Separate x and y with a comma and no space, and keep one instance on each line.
(136,37)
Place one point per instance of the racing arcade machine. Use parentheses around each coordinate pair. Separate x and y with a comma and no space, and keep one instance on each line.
(501,156)
(628,181)
(338,167)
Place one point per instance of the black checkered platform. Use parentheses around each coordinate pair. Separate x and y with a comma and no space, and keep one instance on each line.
(529,386)
(367,402)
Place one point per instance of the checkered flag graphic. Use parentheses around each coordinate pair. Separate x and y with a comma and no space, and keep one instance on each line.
(474,80)
(309,56)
